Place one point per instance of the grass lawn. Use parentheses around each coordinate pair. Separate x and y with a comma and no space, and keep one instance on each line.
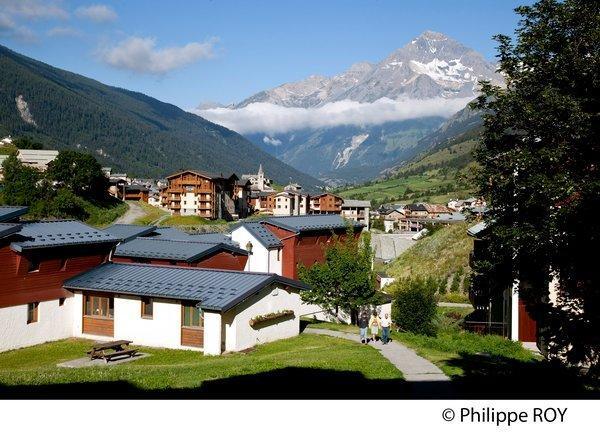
(102,214)
(305,366)
(486,366)
(190,221)
(152,214)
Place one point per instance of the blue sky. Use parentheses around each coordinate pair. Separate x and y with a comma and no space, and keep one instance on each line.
(186,52)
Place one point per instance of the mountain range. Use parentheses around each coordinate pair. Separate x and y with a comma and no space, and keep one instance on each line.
(127,130)
(432,77)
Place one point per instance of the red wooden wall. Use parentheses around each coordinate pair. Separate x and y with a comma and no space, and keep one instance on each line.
(19,286)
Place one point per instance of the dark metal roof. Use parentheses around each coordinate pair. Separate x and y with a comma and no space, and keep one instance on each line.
(125,232)
(477,229)
(8,213)
(139,187)
(306,223)
(179,250)
(217,290)
(262,234)
(8,229)
(170,233)
(215,238)
(416,207)
(45,234)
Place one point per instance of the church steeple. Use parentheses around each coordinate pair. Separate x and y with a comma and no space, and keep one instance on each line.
(260,170)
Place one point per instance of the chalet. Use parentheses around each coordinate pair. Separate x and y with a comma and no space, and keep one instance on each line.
(357,210)
(189,308)
(291,201)
(37,257)
(326,203)
(417,224)
(263,201)
(281,243)
(415,210)
(181,253)
(132,192)
(435,210)
(205,194)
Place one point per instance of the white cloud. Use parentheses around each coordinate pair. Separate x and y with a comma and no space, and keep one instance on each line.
(141,55)
(63,31)
(273,119)
(97,13)
(34,9)
(10,29)
(272,141)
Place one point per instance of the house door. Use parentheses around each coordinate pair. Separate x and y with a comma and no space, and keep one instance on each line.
(98,315)
(192,326)
(527,325)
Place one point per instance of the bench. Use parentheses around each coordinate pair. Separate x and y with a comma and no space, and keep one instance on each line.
(119,348)
(130,352)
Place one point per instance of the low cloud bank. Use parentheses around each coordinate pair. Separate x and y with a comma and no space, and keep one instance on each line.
(274,119)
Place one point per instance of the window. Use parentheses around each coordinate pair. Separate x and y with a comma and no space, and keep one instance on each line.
(61,302)
(34,265)
(191,316)
(32,312)
(99,306)
(147,308)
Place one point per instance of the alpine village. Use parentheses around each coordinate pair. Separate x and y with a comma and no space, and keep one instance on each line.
(434,257)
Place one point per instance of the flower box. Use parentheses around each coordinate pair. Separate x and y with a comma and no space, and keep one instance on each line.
(271,316)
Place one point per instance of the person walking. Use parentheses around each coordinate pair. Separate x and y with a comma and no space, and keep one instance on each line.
(374,324)
(386,323)
(363,326)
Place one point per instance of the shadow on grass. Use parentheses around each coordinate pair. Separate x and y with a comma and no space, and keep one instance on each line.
(495,377)
(485,377)
(286,383)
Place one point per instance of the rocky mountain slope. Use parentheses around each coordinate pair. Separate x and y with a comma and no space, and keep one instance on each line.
(432,76)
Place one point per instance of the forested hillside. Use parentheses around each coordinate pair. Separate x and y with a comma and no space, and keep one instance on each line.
(440,173)
(128,130)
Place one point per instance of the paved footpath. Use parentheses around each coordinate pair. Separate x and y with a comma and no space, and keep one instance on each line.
(412,366)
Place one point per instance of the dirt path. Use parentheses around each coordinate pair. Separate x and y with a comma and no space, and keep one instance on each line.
(133,212)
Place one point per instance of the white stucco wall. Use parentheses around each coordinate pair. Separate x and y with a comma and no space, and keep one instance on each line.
(240,335)
(317,312)
(262,259)
(54,322)
(163,330)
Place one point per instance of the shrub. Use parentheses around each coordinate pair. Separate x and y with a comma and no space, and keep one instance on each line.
(414,306)
(67,205)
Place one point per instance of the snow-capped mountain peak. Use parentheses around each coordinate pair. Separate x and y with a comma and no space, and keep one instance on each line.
(453,71)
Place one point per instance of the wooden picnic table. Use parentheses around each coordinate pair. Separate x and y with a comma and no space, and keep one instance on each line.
(119,348)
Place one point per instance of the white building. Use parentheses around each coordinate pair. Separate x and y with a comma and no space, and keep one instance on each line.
(291,201)
(184,308)
(357,210)
(265,247)
(258,181)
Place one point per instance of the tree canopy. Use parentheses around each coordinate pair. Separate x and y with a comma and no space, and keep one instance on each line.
(79,172)
(540,169)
